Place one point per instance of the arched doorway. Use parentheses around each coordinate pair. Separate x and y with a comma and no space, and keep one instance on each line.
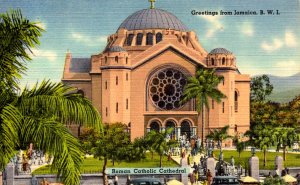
(185,129)
(154,125)
(171,124)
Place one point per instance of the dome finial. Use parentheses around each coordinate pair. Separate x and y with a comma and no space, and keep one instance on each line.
(152,4)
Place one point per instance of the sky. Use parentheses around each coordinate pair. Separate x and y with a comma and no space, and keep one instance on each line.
(262,44)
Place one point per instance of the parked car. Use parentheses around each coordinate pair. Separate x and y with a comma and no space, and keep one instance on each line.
(225,180)
(145,181)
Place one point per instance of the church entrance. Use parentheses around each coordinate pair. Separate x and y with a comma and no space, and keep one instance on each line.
(185,130)
(154,125)
(171,124)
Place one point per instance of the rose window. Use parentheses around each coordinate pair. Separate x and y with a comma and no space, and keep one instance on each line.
(166,87)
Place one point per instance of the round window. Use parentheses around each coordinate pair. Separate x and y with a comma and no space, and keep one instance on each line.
(166,87)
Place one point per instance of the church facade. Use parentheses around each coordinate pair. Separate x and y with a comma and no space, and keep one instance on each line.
(139,78)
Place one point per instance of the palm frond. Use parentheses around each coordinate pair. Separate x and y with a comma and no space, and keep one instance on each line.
(18,35)
(47,135)
(57,99)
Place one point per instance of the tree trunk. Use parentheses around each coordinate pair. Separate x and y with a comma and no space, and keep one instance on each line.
(79,129)
(265,157)
(284,152)
(203,123)
(160,160)
(105,180)
(239,155)
(152,155)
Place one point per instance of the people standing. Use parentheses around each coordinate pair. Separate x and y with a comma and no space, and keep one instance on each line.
(192,178)
(116,180)
(209,177)
(189,159)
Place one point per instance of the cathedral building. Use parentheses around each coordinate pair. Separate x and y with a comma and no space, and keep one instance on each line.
(139,78)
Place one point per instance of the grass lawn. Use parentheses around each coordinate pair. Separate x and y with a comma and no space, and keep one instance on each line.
(292,160)
(92,165)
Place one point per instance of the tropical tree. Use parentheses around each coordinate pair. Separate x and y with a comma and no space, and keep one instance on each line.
(202,86)
(260,87)
(159,142)
(219,135)
(239,145)
(112,145)
(261,136)
(88,138)
(136,150)
(37,115)
(285,136)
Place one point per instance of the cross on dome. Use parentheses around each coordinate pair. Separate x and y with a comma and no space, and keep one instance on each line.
(152,4)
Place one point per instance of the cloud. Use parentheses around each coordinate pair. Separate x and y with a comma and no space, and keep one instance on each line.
(288,40)
(48,54)
(247,29)
(269,47)
(286,68)
(215,25)
(88,40)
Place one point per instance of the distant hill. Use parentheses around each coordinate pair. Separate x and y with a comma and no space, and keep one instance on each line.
(285,83)
(285,88)
(284,96)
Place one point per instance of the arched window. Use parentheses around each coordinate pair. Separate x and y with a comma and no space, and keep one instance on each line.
(158,37)
(105,84)
(117,107)
(126,76)
(105,59)
(212,62)
(106,111)
(154,126)
(149,40)
(185,129)
(126,60)
(223,61)
(236,104)
(212,104)
(171,124)
(127,104)
(129,39)
(117,80)
(117,59)
(139,39)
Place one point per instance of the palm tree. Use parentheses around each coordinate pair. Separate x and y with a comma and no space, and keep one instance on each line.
(239,145)
(285,136)
(159,142)
(262,137)
(220,135)
(202,87)
(37,115)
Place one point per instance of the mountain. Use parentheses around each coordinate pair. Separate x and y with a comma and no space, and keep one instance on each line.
(284,96)
(285,88)
(285,83)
